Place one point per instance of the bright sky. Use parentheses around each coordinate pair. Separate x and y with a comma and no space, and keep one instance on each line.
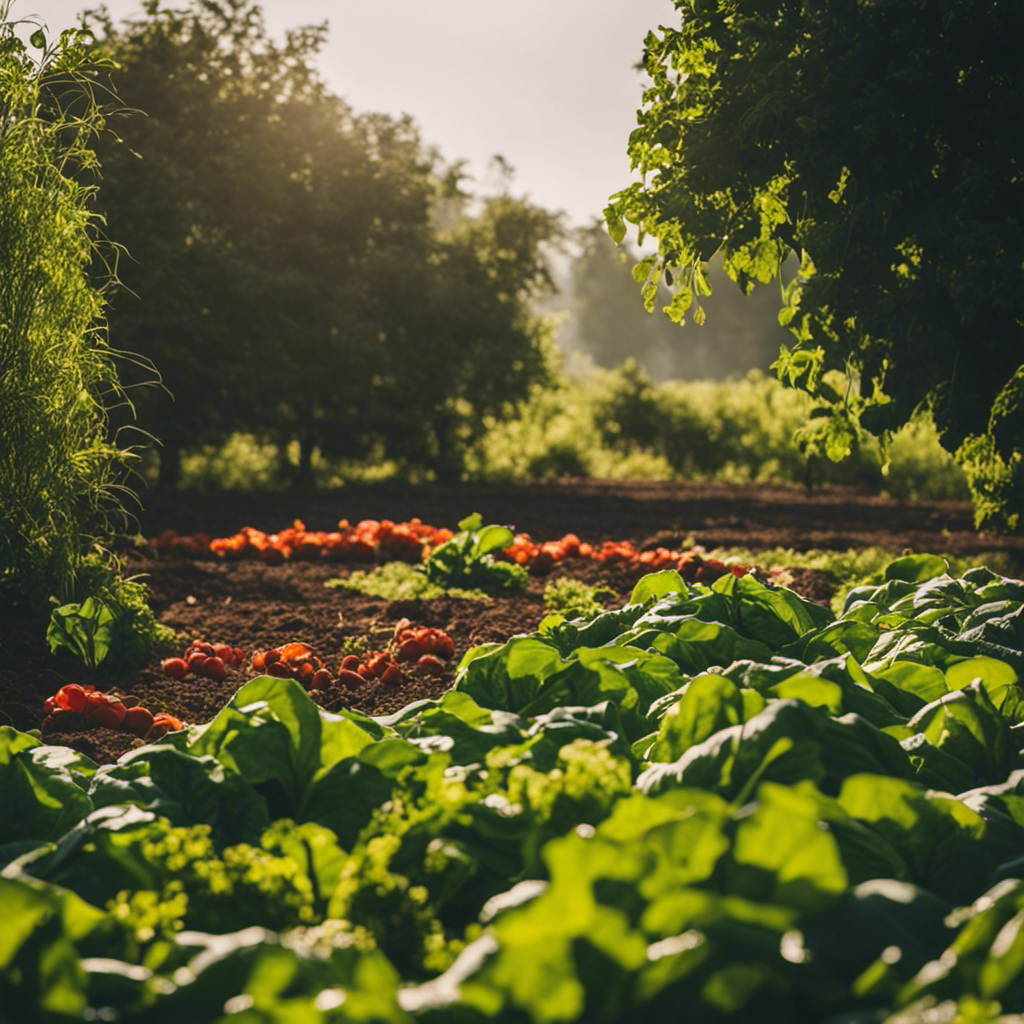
(548,84)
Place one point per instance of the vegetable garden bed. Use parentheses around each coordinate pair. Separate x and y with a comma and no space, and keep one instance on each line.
(709,802)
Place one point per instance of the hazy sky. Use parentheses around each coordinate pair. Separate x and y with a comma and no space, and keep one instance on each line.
(548,84)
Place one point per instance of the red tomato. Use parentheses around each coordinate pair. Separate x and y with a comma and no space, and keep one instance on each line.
(138,720)
(350,679)
(163,723)
(72,697)
(176,668)
(432,663)
(410,650)
(108,715)
(321,680)
(392,675)
(214,668)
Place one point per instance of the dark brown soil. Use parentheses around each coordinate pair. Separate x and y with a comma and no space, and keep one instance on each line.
(253,606)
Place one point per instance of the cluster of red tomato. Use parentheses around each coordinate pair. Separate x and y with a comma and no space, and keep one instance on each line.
(366,541)
(209,660)
(373,540)
(430,648)
(356,671)
(86,703)
(293,661)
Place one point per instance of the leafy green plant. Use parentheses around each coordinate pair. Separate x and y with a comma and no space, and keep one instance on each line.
(467,560)
(716,797)
(574,599)
(86,631)
(399,581)
(111,624)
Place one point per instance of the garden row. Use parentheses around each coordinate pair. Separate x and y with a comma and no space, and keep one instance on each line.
(377,541)
(716,803)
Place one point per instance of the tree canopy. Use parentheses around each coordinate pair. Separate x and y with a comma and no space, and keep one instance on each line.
(879,142)
(285,265)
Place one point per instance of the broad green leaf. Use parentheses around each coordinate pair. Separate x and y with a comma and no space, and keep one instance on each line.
(47,981)
(508,678)
(43,788)
(967,725)
(782,855)
(271,730)
(696,646)
(996,677)
(916,568)
(937,768)
(925,682)
(490,539)
(185,789)
(776,617)
(812,690)
(709,703)
(658,584)
(941,839)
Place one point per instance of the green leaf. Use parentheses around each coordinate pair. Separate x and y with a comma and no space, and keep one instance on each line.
(839,438)
(616,225)
(997,678)
(783,840)
(709,703)
(43,788)
(916,568)
(185,789)
(774,616)
(271,730)
(967,725)
(940,838)
(925,682)
(658,584)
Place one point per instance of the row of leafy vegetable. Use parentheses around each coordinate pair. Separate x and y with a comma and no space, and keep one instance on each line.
(717,803)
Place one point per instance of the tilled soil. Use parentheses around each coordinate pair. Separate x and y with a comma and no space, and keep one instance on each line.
(255,607)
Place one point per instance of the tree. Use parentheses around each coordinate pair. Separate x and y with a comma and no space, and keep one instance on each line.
(201,175)
(877,142)
(58,375)
(286,268)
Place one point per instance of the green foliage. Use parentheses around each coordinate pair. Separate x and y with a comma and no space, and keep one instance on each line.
(574,599)
(722,798)
(468,562)
(59,463)
(619,425)
(399,581)
(112,624)
(86,631)
(736,430)
(910,280)
(205,889)
(997,483)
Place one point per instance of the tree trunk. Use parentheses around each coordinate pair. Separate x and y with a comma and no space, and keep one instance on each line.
(303,479)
